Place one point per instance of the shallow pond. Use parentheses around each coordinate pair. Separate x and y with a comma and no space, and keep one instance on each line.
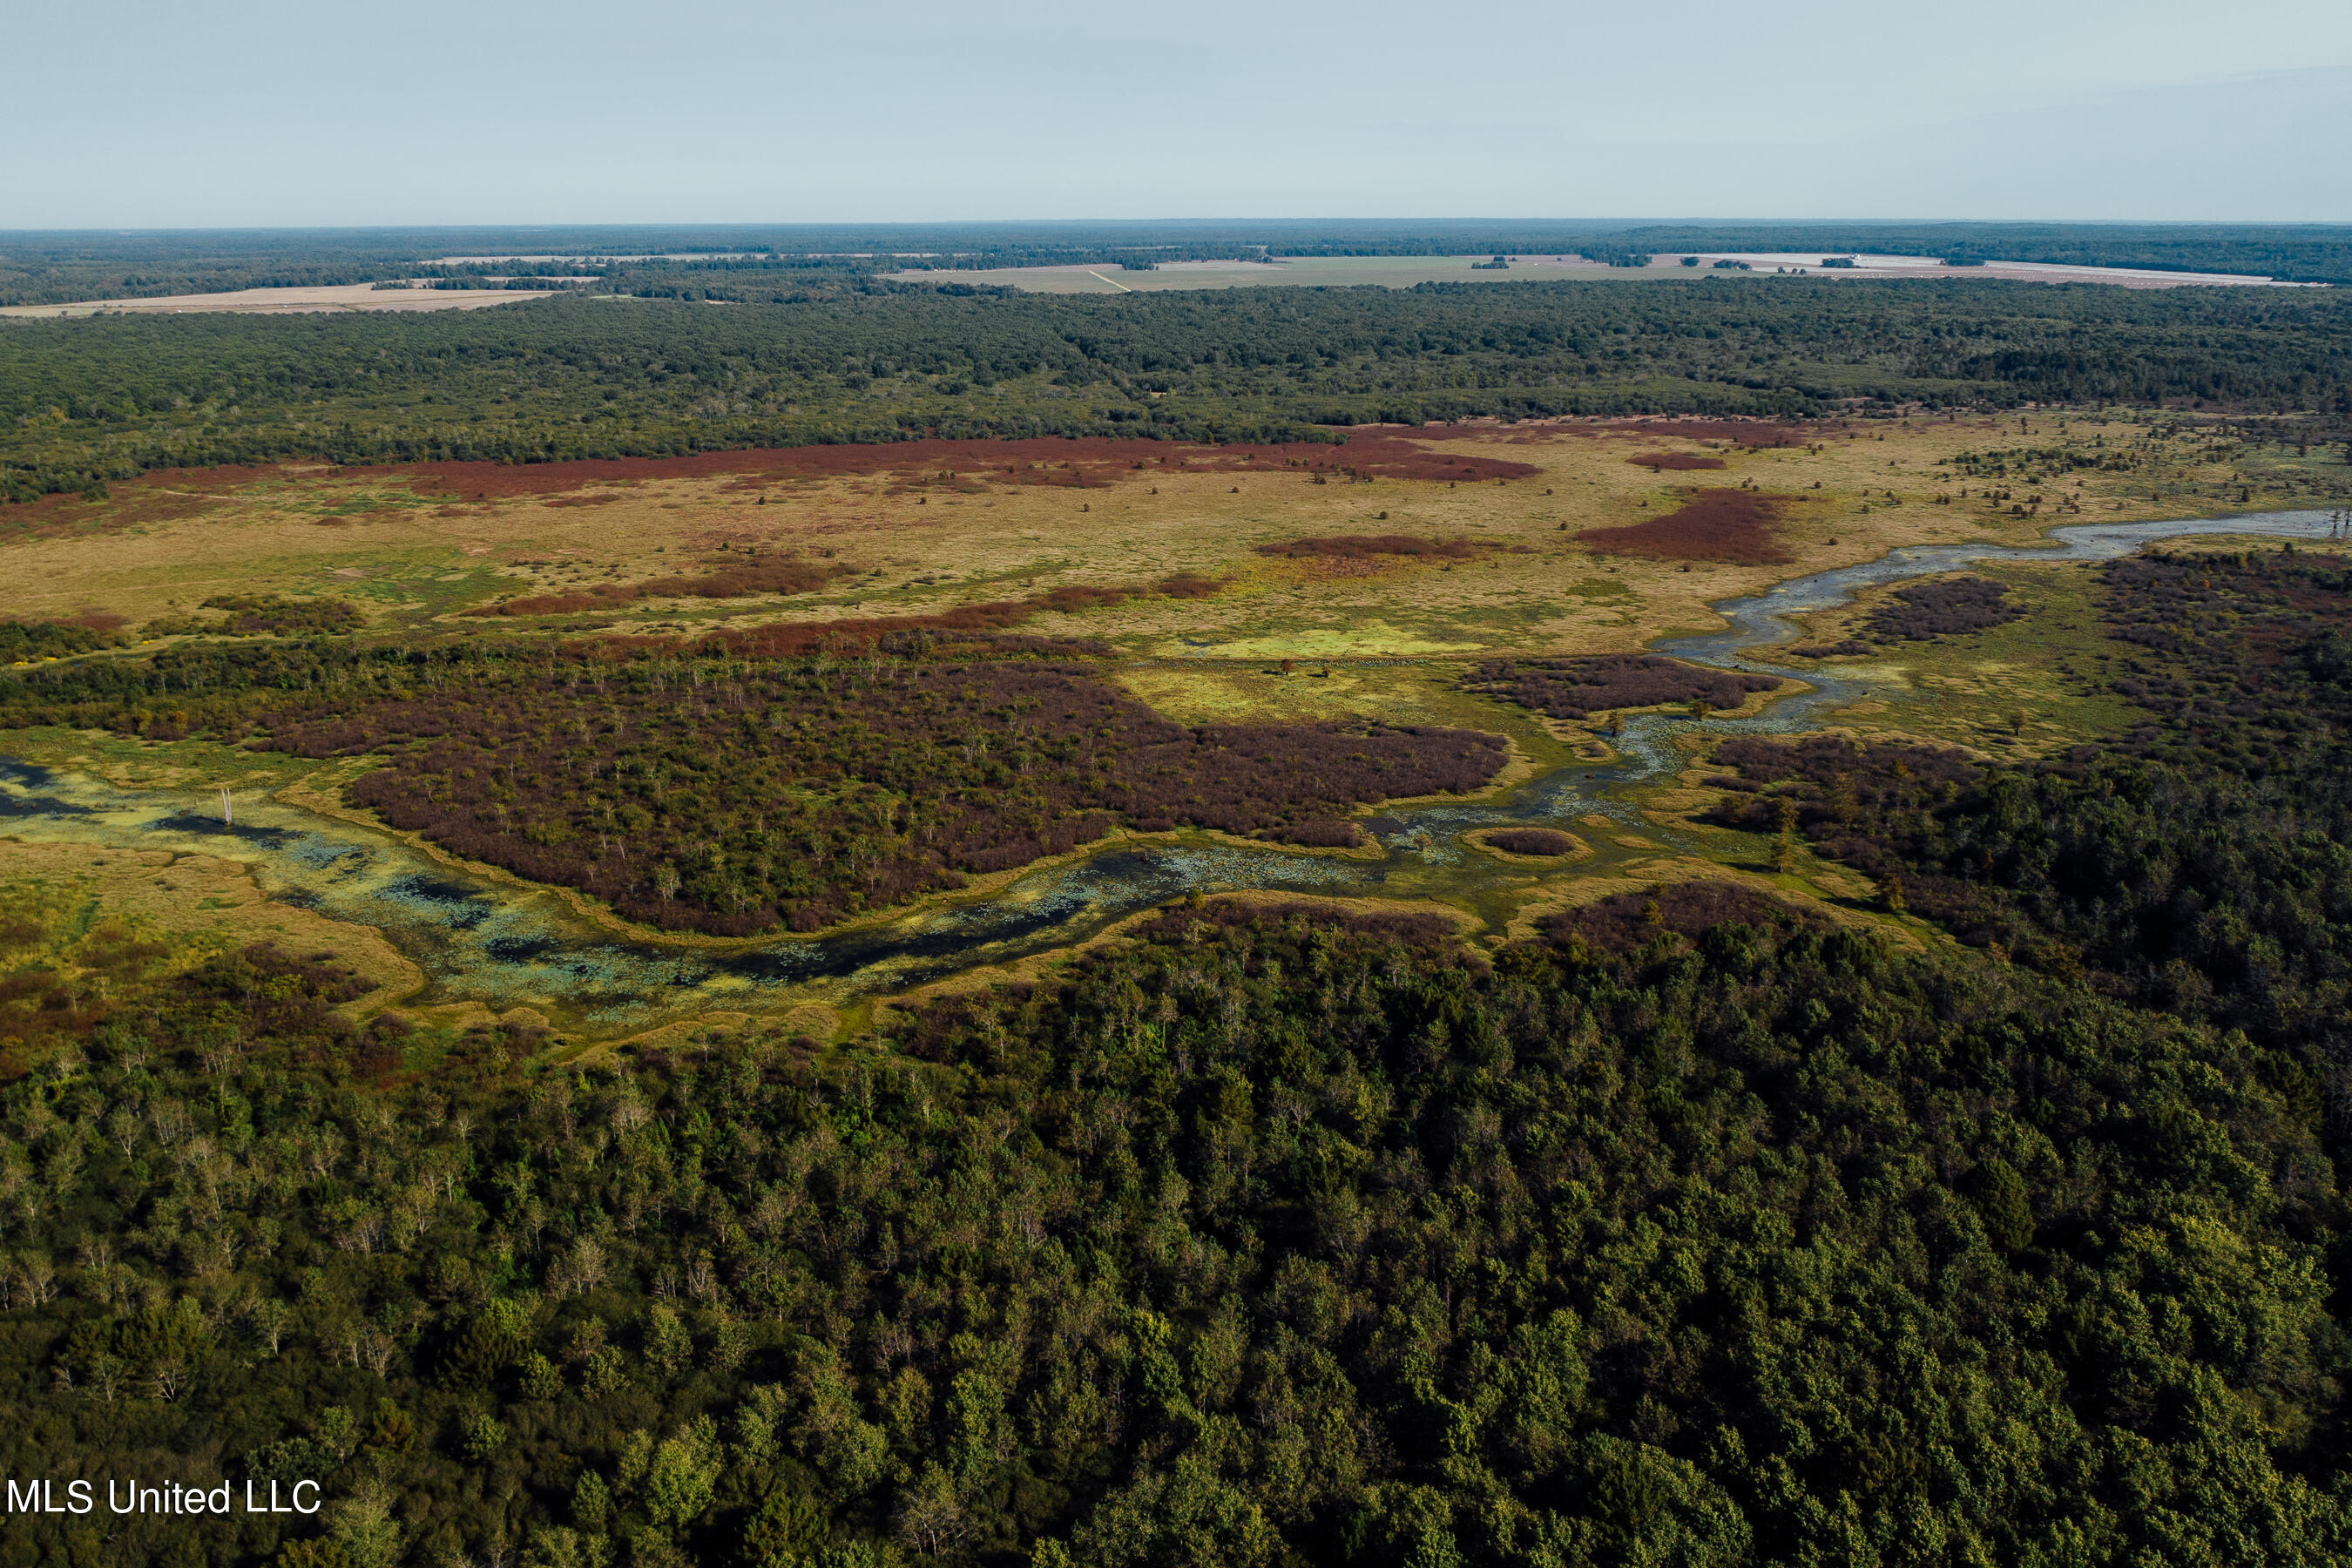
(507,945)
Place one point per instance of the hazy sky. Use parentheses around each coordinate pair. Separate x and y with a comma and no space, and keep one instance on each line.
(268,112)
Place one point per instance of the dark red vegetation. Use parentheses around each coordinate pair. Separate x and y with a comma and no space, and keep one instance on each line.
(1080,462)
(727,796)
(1730,525)
(1578,687)
(1653,461)
(746,579)
(795,576)
(1625,922)
(2247,657)
(1532,841)
(1362,546)
(1954,608)
(104,621)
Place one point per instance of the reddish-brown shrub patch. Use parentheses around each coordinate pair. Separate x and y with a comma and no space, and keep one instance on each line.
(1076,597)
(1078,462)
(1653,461)
(1323,833)
(1954,608)
(1075,462)
(226,476)
(1532,841)
(1730,525)
(789,639)
(747,579)
(729,796)
(1578,687)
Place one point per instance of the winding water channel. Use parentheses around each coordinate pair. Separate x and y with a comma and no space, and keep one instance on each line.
(505,945)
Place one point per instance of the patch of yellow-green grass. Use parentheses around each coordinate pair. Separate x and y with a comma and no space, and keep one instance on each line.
(103,919)
(1207,691)
(197,767)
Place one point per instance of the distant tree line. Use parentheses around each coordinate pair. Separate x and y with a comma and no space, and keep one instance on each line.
(55,267)
(84,402)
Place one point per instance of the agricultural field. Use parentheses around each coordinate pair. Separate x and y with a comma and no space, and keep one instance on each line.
(1297,271)
(282,301)
(1404,271)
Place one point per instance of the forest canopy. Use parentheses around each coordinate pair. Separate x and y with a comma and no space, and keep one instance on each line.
(85,401)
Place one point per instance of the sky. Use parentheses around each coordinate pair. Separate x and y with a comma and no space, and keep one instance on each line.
(141,113)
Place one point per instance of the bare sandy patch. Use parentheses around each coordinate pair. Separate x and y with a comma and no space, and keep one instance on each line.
(288,301)
(1297,271)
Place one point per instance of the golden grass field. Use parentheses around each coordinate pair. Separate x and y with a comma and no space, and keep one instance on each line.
(412,557)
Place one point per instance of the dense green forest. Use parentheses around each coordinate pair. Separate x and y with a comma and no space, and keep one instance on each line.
(1251,1243)
(1688,1230)
(85,401)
